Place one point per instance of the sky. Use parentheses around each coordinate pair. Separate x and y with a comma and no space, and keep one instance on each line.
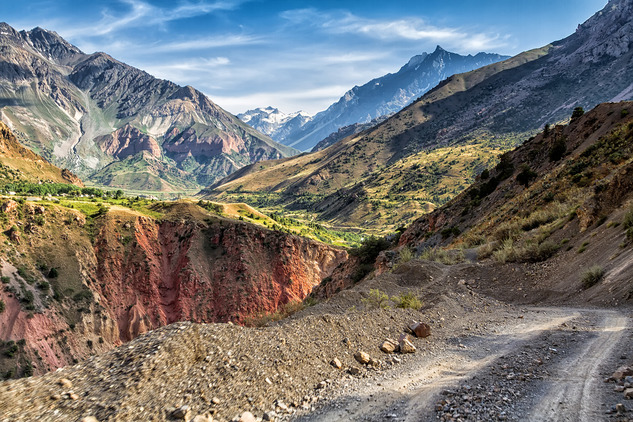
(294,55)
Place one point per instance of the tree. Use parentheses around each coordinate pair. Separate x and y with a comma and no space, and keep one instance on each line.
(577,113)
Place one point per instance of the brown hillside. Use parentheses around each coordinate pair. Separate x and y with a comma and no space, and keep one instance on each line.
(26,165)
(562,198)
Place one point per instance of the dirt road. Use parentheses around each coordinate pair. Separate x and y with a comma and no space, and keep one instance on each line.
(548,364)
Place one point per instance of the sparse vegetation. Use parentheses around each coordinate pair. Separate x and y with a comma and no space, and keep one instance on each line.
(405,255)
(592,276)
(407,300)
(446,257)
(284,311)
(377,299)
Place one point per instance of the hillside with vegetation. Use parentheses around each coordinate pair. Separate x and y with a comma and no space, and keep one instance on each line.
(491,109)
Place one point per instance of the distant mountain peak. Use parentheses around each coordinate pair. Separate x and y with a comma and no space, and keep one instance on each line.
(385,95)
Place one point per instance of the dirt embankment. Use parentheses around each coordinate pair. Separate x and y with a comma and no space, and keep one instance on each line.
(152,274)
(138,274)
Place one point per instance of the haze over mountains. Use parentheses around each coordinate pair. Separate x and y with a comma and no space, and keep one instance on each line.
(497,106)
(379,97)
(117,124)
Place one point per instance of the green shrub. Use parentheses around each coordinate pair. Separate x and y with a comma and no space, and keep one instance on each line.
(2,306)
(592,276)
(377,299)
(526,176)
(583,247)
(577,113)
(368,251)
(53,273)
(405,255)
(5,279)
(407,301)
(558,150)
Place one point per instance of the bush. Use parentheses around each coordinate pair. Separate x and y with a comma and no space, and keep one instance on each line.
(446,257)
(377,299)
(53,273)
(526,176)
(2,306)
(558,150)
(407,301)
(592,276)
(577,113)
(405,255)
(5,279)
(628,224)
(369,249)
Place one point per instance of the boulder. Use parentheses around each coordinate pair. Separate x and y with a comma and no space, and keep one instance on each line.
(183,412)
(405,343)
(336,363)
(628,393)
(389,346)
(362,357)
(420,329)
(622,372)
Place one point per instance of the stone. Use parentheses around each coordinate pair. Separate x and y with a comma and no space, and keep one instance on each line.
(65,383)
(621,372)
(620,408)
(269,416)
(282,405)
(405,341)
(183,412)
(55,397)
(73,396)
(618,388)
(336,363)
(354,370)
(89,419)
(362,357)
(389,346)
(215,400)
(420,329)
(247,417)
(628,393)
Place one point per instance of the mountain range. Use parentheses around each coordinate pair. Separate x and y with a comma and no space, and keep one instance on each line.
(114,123)
(386,170)
(381,96)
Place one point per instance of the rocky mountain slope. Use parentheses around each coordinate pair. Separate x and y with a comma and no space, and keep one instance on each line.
(86,112)
(18,163)
(383,96)
(563,197)
(489,109)
(273,122)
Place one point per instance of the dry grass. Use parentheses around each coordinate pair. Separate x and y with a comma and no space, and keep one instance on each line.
(444,256)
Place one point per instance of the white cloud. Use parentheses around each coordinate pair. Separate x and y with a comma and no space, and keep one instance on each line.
(403,29)
(208,42)
(141,13)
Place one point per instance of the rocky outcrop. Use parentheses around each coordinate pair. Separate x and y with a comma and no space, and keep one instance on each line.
(205,272)
(139,274)
(128,141)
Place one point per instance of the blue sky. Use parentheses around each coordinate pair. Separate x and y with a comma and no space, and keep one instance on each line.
(293,54)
